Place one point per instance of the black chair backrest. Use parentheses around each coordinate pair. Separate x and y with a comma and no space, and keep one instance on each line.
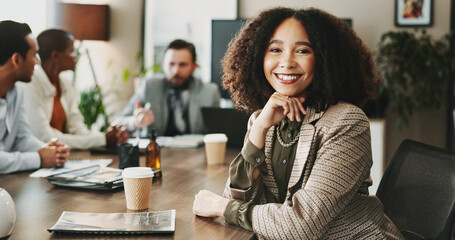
(418,191)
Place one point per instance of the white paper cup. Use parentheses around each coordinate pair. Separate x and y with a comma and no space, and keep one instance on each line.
(215,148)
(137,182)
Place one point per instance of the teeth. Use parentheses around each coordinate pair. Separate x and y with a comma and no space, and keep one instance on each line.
(287,77)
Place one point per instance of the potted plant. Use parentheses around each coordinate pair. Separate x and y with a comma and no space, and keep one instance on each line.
(91,106)
(416,67)
(91,100)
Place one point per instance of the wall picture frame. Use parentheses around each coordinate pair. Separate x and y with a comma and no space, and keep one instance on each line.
(413,13)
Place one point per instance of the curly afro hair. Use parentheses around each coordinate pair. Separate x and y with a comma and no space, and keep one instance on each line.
(344,66)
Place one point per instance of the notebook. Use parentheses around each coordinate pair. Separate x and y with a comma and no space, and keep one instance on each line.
(116,223)
(229,121)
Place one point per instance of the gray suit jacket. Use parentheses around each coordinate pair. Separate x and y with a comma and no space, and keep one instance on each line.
(156,90)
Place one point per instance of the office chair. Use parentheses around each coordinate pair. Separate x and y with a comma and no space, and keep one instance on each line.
(418,191)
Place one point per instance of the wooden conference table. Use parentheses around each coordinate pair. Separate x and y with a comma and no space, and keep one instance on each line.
(39,204)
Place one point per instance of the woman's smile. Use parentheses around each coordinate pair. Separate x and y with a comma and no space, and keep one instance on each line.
(287,78)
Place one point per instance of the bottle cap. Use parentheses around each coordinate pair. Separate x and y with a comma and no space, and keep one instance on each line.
(152,135)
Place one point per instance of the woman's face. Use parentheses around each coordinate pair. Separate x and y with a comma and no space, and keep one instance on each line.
(289,60)
(67,58)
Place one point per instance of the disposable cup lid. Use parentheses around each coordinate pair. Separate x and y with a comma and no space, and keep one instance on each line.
(137,172)
(215,137)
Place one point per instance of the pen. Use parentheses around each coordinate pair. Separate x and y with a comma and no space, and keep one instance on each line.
(146,108)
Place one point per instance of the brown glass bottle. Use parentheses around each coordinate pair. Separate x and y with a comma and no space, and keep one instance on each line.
(152,155)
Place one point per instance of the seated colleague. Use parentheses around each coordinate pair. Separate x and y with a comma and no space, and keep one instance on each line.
(303,172)
(175,100)
(58,114)
(19,149)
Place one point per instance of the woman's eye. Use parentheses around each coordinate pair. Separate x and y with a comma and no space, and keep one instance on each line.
(275,50)
(303,51)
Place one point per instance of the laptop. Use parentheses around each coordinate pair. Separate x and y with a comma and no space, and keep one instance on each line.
(229,121)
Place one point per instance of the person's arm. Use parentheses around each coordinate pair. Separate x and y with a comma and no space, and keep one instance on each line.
(23,155)
(342,163)
(277,108)
(127,117)
(237,202)
(244,185)
(18,161)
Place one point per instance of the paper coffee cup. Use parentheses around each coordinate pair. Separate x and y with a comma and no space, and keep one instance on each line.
(137,182)
(215,148)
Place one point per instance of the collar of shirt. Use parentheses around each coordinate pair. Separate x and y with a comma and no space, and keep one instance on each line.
(286,124)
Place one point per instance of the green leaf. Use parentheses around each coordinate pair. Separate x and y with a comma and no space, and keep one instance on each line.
(126,75)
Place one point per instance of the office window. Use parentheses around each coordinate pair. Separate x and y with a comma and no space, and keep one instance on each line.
(32,12)
(188,20)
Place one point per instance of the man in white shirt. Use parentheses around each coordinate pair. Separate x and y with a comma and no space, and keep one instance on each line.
(19,149)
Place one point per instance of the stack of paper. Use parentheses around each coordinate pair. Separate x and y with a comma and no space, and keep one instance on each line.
(71,165)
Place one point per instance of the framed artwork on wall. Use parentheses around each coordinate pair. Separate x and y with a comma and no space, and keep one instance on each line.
(413,13)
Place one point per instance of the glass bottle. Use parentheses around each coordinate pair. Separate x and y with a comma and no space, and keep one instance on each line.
(152,155)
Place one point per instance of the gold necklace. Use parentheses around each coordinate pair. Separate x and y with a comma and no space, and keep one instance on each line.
(280,140)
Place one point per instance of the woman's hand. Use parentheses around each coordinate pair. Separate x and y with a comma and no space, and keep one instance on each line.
(208,204)
(276,109)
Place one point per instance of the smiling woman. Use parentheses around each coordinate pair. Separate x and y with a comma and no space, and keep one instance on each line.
(303,172)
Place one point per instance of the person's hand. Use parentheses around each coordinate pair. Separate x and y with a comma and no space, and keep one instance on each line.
(54,154)
(208,204)
(276,109)
(62,152)
(142,117)
(115,135)
(122,134)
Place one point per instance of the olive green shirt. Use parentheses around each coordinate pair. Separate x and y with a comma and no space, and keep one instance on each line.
(241,171)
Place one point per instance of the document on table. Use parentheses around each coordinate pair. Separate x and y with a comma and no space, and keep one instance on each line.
(71,165)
